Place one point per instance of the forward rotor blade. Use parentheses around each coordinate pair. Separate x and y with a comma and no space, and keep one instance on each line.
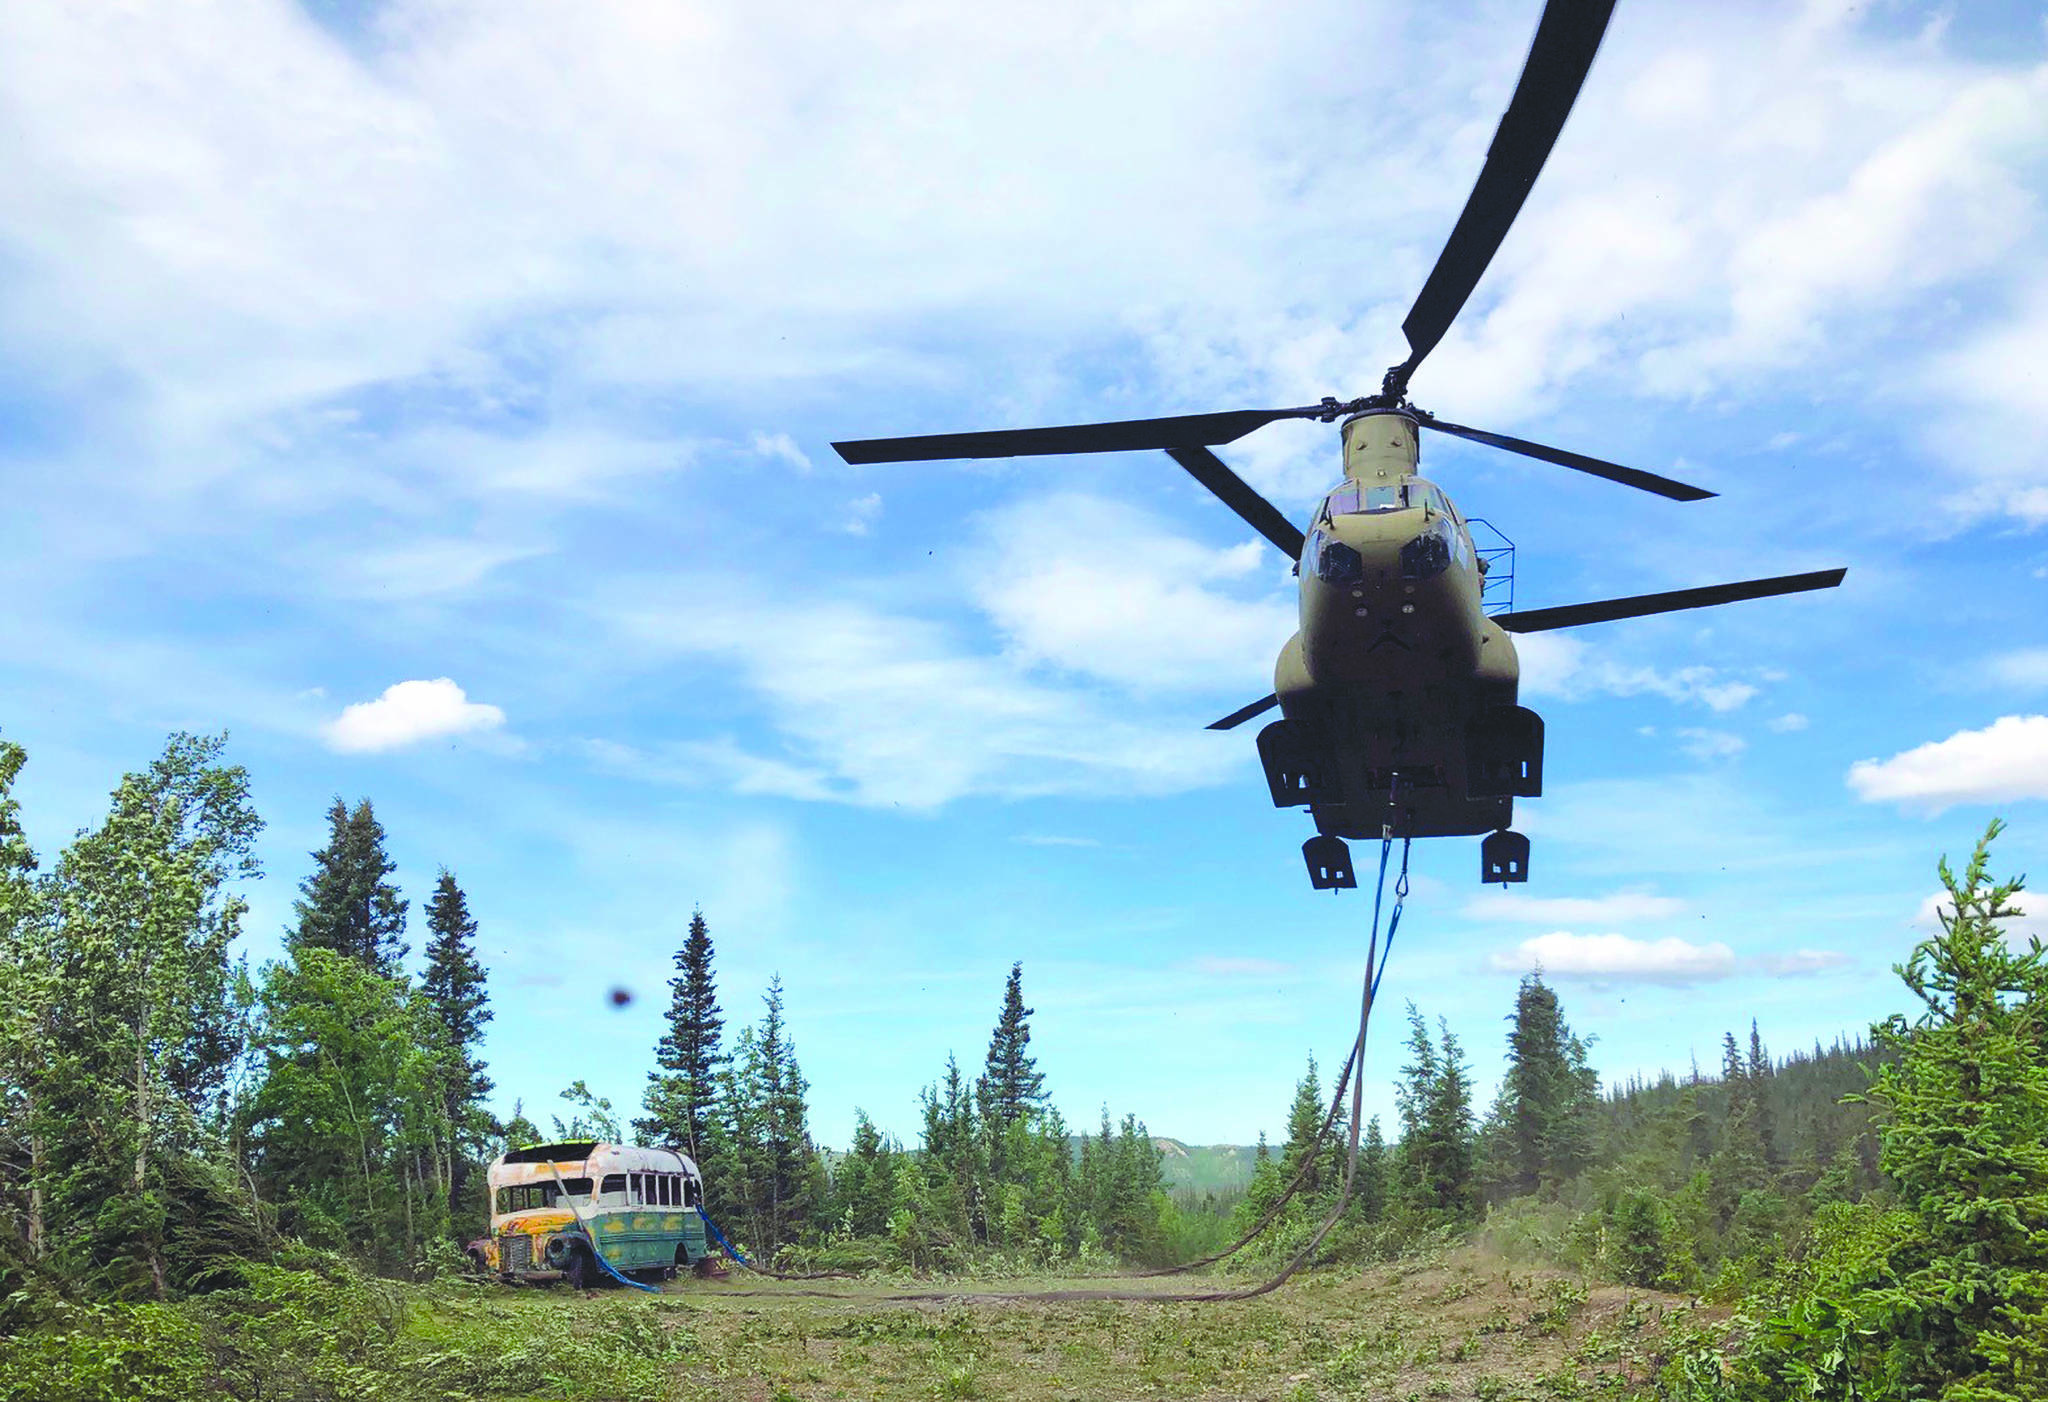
(1612,471)
(1243,714)
(1607,610)
(1567,37)
(1234,492)
(1182,431)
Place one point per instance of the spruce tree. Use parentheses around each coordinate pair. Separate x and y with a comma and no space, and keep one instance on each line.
(1435,1100)
(682,1089)
(347,905)
(1544,1114)
(1011,1086)
(1369,1193)
(1759,1071)
(1304,1118)
(458,1007)
(788,1158)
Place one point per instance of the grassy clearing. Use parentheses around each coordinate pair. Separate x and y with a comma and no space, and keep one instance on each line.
(1458,1324)
(1463,1325)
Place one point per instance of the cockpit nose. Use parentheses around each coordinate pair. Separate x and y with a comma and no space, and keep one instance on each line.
(1366,529)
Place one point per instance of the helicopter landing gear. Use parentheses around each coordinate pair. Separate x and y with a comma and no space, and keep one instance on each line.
(1504,753)
(1504,857)
(1297,770)
(1329,863)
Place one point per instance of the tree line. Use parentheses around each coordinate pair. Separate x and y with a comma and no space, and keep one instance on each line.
(1876,1211)
(165,1109)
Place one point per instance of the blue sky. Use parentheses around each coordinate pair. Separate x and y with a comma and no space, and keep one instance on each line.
(437,397)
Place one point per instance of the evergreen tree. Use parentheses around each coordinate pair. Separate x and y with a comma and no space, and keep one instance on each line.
(1544,1114)
(771,1178)
(864,1188)
(1435,1101)
(347,905)
(1011,1086)
(681,1093)
(1369,1192)
(1757,1070)
(791,1155)
(1304,1118)
(458,1007)
(1966,1143)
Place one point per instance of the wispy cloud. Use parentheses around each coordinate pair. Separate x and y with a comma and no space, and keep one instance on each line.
(1574,669)
(879,708)
(2025,668)
(1705,744)
(1226,966)
(1617,908)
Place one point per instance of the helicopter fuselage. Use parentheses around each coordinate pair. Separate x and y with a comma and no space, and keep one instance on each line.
(1396,673)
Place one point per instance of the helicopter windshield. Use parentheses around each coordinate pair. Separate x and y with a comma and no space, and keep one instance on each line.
(1355,499)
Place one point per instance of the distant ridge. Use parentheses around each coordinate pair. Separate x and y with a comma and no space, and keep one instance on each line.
(1206,1168)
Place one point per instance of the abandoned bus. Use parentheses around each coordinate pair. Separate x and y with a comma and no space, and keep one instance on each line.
(549,1202)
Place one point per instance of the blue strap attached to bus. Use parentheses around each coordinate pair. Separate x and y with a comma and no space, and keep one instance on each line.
(598,1252)
(719,1237)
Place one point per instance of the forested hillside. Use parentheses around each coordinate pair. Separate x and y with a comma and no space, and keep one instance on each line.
(181,1127)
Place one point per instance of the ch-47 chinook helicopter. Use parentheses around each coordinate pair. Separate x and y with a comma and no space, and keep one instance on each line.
(1398,694)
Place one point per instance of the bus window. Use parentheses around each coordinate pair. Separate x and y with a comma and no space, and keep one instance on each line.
(576,1187)
(525,1197)
(691,1193)
(613,1183)
(634,1196)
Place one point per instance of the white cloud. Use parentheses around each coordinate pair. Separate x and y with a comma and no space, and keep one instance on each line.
(1617,908)
(2004,762)
(407,713)
(1033,839)
(1711,744)
(1789,723)
(1097,587)
(1619,959)
(2027,667)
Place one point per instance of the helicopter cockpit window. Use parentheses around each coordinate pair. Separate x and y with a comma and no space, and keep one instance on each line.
(1352,499)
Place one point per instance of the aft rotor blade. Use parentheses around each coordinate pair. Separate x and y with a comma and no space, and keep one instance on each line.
(1607,610)
(1243,714)
(1182,431)
(1612,471)
(1234,492)
(1567,37)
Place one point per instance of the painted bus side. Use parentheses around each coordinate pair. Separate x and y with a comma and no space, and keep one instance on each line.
(639,1206)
